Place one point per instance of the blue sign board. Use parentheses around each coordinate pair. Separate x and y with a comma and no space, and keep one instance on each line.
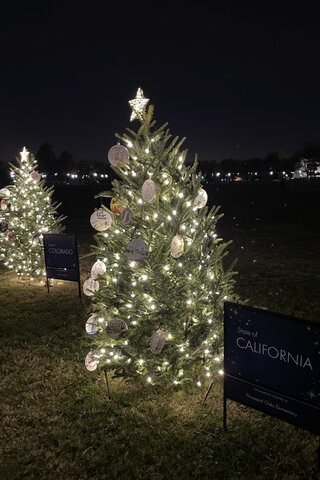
(61,257)
(272,363)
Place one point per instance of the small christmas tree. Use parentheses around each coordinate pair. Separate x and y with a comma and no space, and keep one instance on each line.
(27,211)
(159,283)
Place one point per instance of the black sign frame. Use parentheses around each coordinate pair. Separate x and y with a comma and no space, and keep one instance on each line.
(263,397)
(55,266)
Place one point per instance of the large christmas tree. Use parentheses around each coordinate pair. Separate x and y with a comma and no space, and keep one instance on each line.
(27,211)
(159,283)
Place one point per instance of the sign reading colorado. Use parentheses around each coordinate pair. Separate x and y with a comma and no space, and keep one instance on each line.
(61,256)
(272,363)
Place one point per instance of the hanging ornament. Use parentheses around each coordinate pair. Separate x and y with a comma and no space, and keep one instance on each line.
(157,341)
(91,362)
(36,176)
(116,327)
(148,190)
(90,286)
(127,217)
(36,241)
(101,220)
(137,250)
(4,206)
(117,206)
(92,325)
(177,246)
(5,192)
(207,242)
(10,236)
(3,225)
(138,105)
(118,155)
(98,268)
(201,199)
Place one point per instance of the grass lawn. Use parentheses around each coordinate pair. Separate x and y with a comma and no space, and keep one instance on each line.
(57,422)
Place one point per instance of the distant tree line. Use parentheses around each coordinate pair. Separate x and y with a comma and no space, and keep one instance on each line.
(275,162)
(59,169)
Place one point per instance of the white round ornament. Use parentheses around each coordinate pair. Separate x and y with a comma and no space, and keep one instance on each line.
(148,191)
(100,220)
(116,327)
(157,341)
(91,362)
(201,199)
(35,241)
(118,155)
(5,192)
(3,226)
(90,286)
(98,268)
(137,250)
(3,204)
(177,246)
(127,217)
(92,325)
(36,176)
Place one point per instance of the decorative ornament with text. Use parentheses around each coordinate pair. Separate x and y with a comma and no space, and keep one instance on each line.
(137,250)
(138,105)
(101,220)
(148,191)
(118,155)
(157,341)
(201,199)
(177,246)
(98,268)
(3,226)
(91,361)
(127,217)
(5,192)
(90,286)
(36,176)
(92,325)
(10,236)
(117,206)
(116,327)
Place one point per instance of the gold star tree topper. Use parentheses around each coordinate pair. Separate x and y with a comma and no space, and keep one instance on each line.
(138,105)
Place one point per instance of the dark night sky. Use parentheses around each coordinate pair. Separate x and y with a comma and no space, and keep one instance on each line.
(240,80)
